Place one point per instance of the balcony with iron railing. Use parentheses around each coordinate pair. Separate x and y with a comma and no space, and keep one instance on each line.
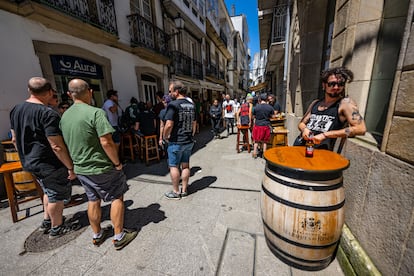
(98,13)
(184,65)
(221,75)
(211,71)
(277,39)
(145,34)
(278,33)
(223,37)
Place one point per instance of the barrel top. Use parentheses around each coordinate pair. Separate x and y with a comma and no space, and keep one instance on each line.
(294,158)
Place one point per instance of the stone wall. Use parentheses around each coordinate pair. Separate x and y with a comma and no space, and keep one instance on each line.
(379,206)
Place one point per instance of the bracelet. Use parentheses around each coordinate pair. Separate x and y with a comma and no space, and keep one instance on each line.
(70,169)
(117,165)
(324,135)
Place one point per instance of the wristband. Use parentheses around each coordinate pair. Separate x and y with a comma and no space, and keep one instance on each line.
(70,169)
(117,165)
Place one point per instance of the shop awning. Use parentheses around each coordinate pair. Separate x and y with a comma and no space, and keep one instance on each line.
(211,85)
(258,87)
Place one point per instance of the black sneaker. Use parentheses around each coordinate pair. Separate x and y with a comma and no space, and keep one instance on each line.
(106,233)
(58,231)
(183,194)
(128,237)
(45,226)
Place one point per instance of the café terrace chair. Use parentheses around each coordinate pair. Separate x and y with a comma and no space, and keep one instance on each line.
(26,188)
(23,187)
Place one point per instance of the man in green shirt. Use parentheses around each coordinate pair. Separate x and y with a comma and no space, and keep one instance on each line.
(88,135)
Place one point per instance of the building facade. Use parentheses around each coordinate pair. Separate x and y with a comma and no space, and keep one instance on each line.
(375,39)
(134,46)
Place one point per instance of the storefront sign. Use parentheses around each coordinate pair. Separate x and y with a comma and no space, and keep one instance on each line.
(74,66)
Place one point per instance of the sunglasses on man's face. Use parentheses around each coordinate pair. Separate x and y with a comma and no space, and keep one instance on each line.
(334,83)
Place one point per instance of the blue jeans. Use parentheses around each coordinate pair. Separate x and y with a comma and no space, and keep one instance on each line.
(179,153)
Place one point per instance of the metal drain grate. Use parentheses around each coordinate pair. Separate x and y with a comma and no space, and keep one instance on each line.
(37,241)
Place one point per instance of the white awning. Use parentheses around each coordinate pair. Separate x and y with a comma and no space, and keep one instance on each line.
(211,85)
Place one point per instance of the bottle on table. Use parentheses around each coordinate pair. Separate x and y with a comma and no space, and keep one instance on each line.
(310,146)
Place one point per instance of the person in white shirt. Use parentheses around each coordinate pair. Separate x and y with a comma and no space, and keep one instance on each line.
(228,114)
(111,109)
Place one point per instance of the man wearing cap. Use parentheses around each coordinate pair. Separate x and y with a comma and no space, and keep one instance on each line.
(262,113)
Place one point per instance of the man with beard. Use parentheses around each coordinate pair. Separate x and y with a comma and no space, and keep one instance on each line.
(334,116)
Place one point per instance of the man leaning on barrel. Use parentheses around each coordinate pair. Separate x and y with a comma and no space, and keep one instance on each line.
(335,116)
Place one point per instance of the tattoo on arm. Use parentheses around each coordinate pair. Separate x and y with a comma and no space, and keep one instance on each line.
(356,116)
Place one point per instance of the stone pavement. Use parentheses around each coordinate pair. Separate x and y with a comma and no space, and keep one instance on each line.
(216,230)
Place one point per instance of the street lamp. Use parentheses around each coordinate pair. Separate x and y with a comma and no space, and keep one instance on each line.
(179,22)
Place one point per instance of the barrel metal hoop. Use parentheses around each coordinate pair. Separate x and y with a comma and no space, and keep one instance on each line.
(303,207)
(281,255)
(297,243)
(304,175)
(304,187)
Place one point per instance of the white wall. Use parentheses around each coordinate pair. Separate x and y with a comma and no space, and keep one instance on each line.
(19,62)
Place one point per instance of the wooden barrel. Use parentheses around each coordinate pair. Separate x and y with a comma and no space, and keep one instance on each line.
(24,181)
(302,204)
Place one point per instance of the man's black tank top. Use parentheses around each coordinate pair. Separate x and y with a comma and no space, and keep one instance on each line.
(323,121)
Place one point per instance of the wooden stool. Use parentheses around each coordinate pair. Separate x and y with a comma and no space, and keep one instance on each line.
(280,137)
(149,146)
(245,138)
(127,146)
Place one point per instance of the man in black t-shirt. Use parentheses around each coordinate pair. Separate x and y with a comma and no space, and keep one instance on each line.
(42,151)
(262,113)
(179,130)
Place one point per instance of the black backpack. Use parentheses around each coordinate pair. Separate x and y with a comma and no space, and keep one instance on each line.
(244,114)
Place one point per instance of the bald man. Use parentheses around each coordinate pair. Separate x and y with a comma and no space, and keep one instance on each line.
(38,139)
(88,134)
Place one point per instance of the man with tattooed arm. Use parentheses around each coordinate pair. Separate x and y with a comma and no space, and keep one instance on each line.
(334,116)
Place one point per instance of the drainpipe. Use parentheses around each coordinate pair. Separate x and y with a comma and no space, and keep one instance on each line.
(285,65)
(288,97)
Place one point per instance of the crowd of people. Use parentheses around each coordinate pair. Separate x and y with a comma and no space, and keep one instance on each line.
(59,142)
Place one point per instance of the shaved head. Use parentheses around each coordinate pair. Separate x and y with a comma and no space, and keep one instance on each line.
(38,86)
(78,88)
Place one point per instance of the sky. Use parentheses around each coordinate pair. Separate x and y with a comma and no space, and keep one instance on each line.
(248,8)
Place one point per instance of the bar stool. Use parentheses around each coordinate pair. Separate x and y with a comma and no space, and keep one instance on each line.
(127,146)
(280,137)
(245,138)
(149,146)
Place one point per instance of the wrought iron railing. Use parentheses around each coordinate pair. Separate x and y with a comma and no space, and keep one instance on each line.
(223,37)
(145,34)
(184,65)
(211,70)
(99,13)
(221,75)
(279,24)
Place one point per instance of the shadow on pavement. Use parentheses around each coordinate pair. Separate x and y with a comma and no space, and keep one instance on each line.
(201,184)
(135,219)
(137,168)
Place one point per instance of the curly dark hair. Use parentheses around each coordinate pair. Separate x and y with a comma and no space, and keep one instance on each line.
(340,72)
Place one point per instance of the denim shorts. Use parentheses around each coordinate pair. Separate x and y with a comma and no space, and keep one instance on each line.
(106,186)
(56,186)
(179,153)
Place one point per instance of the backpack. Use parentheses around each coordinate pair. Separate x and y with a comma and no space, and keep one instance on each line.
(124,122)
(244,114)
